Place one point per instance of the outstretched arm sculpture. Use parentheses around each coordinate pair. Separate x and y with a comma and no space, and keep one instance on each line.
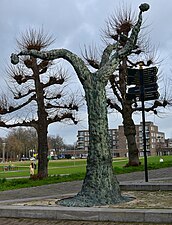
(100,186)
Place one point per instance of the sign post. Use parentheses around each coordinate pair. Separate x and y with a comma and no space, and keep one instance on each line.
(146,89)
(142,93)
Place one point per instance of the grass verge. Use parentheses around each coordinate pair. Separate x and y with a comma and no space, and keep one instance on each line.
(25,182)
(76,173)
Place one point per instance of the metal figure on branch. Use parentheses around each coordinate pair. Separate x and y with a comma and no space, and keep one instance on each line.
(100,186)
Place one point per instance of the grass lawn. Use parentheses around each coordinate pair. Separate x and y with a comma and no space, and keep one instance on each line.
(67,170)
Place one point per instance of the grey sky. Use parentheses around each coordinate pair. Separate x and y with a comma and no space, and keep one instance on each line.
(75,23)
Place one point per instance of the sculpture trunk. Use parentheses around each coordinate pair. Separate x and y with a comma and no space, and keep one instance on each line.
(100,186)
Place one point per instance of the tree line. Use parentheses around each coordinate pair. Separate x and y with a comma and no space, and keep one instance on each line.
(22,143)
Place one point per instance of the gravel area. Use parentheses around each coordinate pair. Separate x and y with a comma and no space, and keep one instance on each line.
(142,199)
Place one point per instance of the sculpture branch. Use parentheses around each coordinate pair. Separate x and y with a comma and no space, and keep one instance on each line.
(109,68)
(107,52)
(131,42)
(77,63)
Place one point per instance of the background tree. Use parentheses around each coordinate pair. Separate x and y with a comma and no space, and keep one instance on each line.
(100,186)
(117,30)
(19,142)
(56,143)
(39,95)
(70,146)
(1,147)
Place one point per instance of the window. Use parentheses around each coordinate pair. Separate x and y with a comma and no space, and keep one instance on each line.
(114,132)
(86,143)
(86,138)
(146,128)
(152,128)
(114,137)
(81,133)
(114,142)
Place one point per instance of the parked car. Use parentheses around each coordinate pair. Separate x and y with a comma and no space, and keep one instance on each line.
(24,159)
(54,157)
(32,159)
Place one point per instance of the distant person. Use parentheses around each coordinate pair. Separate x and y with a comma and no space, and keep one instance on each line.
(32,169)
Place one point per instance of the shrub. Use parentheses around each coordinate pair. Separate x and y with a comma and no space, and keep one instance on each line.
(3,180)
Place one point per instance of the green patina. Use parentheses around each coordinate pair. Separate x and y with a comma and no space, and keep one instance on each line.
(100,186)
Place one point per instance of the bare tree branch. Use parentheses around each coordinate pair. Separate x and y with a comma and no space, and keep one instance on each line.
(34,39)
(90,56)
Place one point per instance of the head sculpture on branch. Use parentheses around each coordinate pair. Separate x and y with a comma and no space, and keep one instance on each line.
(144,7)
(14,59)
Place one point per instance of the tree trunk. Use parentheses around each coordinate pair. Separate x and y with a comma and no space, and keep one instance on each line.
(100,186)
(42,126)
(130,133)
(42,152)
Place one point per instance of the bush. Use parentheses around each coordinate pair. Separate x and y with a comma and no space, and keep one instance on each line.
(3,180)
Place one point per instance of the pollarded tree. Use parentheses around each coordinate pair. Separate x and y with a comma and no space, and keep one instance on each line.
(118,29)
(39,95)
(100,186)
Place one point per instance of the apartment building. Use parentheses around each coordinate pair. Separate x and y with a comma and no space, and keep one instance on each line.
(82,142)
(165,150)
(155,140)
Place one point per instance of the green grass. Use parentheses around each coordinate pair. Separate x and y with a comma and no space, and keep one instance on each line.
(55,167)
(25,182)
(152,163)
(69,170)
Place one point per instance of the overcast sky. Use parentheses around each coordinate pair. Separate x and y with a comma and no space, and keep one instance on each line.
(75,23)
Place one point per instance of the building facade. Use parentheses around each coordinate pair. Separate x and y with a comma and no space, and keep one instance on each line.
(155,140)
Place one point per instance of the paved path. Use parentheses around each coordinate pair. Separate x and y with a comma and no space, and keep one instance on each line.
(7,221)
(62,189)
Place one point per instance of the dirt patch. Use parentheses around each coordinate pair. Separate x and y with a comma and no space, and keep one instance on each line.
(146,199)
(142,199)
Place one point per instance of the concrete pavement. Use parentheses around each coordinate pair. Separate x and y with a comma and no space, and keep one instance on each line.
(60,189)
(26,221)
(101,214)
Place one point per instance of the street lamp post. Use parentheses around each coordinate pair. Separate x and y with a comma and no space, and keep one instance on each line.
(3,152)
